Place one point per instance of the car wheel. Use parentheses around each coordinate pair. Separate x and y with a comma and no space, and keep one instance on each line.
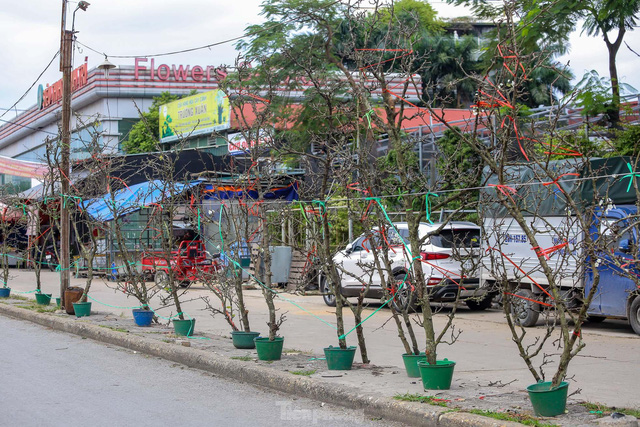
(479,303)
(162,280)
(405,298)
(524,312)
(328,296)
(634,315)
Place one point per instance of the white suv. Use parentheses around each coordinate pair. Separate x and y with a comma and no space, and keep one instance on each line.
(451,262)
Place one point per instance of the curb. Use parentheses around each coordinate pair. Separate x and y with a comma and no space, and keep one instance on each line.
(346,396)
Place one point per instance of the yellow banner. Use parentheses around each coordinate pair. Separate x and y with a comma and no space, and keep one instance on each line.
(194,115)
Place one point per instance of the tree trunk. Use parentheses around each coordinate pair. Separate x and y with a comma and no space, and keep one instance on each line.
(614,111)
(244,314)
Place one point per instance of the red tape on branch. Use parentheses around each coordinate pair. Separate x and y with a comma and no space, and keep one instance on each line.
(529,299)
(517,62)
(545,252)
(522,271)
(408,52)
(555,181)
(505,190)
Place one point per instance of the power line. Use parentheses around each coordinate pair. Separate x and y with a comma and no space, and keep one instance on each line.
(207,46)
(32,85)
(28,127)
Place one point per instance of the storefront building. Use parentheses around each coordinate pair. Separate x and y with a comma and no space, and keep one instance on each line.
(103,105)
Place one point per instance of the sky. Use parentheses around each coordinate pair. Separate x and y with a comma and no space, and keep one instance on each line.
(30,35)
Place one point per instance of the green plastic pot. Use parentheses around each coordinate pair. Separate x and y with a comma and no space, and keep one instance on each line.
(548,401)
(244,340)
(5,292)
(438,376)
(184,328)
(411,363)
(58,301)
(82,309)
(269,350)
(43,299)
(339,359)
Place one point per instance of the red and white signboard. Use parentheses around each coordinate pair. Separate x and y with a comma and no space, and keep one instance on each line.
(238,144)
(22,168)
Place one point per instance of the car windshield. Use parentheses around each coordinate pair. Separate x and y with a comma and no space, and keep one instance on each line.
(458,238)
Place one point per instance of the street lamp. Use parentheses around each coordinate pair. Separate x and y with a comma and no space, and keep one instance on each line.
(81,5)
(105,66)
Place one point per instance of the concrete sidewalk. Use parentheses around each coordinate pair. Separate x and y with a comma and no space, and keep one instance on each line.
(489,375)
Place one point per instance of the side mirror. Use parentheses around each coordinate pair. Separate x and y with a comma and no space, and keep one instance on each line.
(624,246)
(348,249)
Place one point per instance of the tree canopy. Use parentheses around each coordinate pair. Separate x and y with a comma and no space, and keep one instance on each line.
(144,135)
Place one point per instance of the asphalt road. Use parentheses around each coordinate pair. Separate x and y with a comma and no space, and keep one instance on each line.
(51,378)
(606,370)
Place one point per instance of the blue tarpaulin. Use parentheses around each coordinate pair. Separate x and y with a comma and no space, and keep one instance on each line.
(132,198)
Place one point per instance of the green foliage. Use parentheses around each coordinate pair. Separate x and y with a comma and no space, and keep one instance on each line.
(560,142)
(445,64)
(627,141)
(458,166)
(144,135)
(594,95)
(544,82)
(391,184)
(412,13)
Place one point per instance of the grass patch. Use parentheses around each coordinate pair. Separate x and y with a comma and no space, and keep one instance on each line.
(243,358)
(603,410)
(18,297)
(113,328)
(39,308)
(430,400)
(503,416)
(293,350)
(304,373)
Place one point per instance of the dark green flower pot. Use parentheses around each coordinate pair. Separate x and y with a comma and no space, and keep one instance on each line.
(548,401)
(58,301)
(184,328)
(43,299)
(438,376)
(339,359)
(269,350)
(82,309)
(411,364)
(244,340)
(5,292)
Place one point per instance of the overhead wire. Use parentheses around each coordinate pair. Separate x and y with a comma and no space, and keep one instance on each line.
(32,85)
(207,46)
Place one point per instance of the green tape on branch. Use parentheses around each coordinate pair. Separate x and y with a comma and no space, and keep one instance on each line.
(259,282)
(404,280)
(428,207)
(630,175)
(367,115)
(116,306)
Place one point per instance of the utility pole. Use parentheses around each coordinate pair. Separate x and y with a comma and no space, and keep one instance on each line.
(66,41)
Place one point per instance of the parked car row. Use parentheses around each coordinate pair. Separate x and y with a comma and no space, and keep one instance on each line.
(452,265)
